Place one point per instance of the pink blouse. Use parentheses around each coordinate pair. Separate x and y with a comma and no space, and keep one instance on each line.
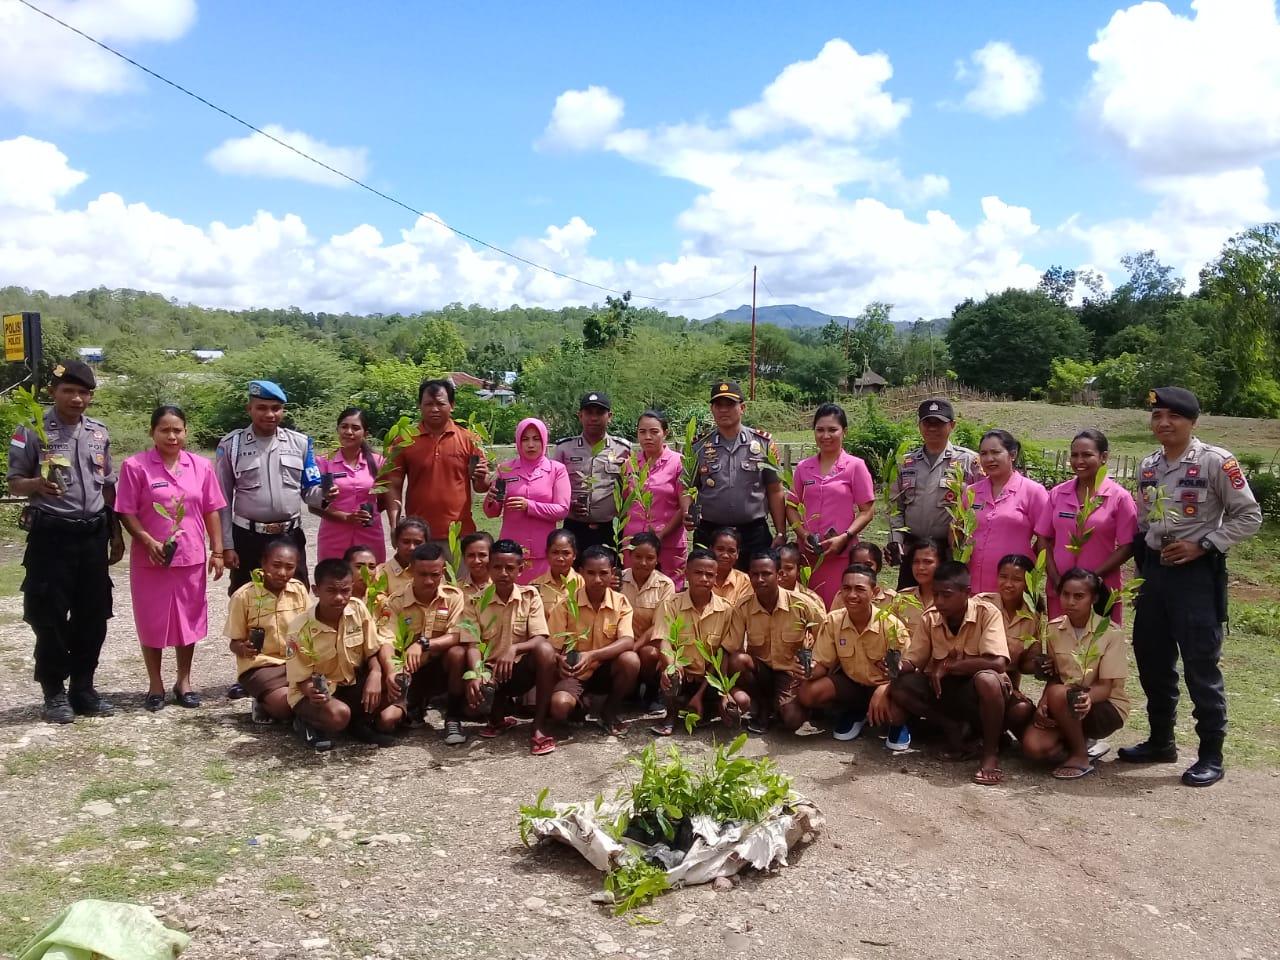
(831,500)
(1006,524)
(351,485)
(146,481)
(546,488)
(663,482)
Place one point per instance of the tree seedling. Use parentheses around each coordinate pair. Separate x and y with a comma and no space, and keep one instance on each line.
(1082,532)
(53,465)
(675,647)
(261,600)
(891,616)
(689,470)
(896,462)
(481,670)
(403,640)
(306,643)
(453,559)
(626,496)
(375,588)
(1158,512)
(538,810)
(572,638)
(964,519)
(1086,653)
(175,525)
(402,434)
(1034,599)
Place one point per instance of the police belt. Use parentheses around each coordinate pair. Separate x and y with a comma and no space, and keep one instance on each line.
(41,520)
(274,529)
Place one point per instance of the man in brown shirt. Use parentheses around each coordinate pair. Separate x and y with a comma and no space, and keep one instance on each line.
(953,672)
(439,468)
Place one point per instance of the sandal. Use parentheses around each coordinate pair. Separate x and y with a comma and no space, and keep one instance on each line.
(663,729)
(1080,771)
(615,729)
(541,746)
(988,777)
(491,730)
(153,702)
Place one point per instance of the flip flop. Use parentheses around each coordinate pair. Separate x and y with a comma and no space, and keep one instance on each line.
(989,778)
(662,729)
(615,729)
(1081,772)
(957,756)
(490,730)
(541,746)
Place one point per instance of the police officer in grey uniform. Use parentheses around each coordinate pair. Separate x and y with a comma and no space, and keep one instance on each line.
(918,496)
(267,473)
(736,485)
(72,537)
(1194,505)
(595,460)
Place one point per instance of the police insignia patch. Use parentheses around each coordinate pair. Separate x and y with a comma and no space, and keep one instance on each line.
(1232,469)
(1190,509)
(755,447)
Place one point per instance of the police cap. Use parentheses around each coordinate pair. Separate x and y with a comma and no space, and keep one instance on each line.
(1179,400)
(727,389)
(936,408)
(266,390)
(595,399)
(77,372)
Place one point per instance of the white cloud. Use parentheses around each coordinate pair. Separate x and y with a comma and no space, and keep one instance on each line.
(581,119)
(1190,95)
(257,156)
(49,68)
(1005,82)
(47,175)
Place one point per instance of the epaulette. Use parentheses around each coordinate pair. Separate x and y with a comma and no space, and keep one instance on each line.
(762,434)
(566,439)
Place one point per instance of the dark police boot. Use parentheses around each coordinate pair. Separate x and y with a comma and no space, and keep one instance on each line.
(56,708)
(1208,770)
(1157,748)
(86,702)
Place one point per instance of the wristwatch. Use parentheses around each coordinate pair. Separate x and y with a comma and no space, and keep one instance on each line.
(1207,545)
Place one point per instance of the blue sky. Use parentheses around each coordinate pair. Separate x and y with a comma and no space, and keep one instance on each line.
(854,168)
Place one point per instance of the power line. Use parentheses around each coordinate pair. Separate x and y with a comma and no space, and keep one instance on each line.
(774,296)
(360,183)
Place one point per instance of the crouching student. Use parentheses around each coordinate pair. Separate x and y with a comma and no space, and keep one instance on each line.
(561,577)
(1021,623)
(436,660)
(257,627)
(510,621)
(593,632)
(850,675)
(731,583)
(1077,705)
(686,625)
(408,535)
(647,589)
(475,563)
(953,672)
(336,640)
(766,633)
(790,563)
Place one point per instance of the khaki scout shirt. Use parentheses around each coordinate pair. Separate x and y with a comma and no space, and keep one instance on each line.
(1207,496)
(596,627)
(1112,663)
(553,594)
(656,590)
(398,577)
(734,476)
(1019,628)
(86,445)
(736,586)
(707,625)
(856,652)
(439,616)
(592,476)
(262,477)
(505,623)
(774,636)
(339,653)
(981,635)
(249,608)
(918,495)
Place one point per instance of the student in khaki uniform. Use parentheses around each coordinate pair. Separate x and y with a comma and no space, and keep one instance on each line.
(849,671)
(1059,724)
(261,671)
(646,589)
(923,557)
(918,495)
(337,640)
(869,555)
(595,460)
(731,583)
(561,577)
(696,615)
(509,619)
(474,573)
(605,639)
(1021,625)
(363,561)
(765,635)
(953,672)
(437,660)
(789,561)
(409,534)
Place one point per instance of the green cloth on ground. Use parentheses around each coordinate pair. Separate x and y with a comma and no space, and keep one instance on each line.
(89,929)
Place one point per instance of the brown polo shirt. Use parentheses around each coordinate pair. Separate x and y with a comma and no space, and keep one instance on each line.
(436,471)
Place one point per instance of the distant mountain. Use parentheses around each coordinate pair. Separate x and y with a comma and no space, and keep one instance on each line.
(794,315)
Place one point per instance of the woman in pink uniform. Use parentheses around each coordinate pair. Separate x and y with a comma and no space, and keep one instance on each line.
(1114,521)
(536,497)
(351,514)
(1008,506)
(167,583)
(664,516)
(833,498)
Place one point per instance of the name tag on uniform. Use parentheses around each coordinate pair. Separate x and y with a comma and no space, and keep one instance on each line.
(1066,514)
(159,483)
(575,459)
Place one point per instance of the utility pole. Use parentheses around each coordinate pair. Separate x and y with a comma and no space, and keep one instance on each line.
(752,394)
(848,381)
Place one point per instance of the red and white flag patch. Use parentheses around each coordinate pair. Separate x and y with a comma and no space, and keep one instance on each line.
(19,439)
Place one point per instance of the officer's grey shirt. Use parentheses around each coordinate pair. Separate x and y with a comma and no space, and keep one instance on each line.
(261,477)
(918,496)
(734,476)
(1204,494)
(87,445)
(592,477)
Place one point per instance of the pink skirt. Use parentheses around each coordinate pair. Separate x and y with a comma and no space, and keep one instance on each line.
(827,579)
(170,608)
(335,538)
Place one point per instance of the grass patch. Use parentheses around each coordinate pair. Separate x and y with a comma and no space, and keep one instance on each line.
(28,763)
(155,832)
(11,576)
(217,771)
(117,752)
(268,796)
(289,884)
(84,838)
(115,789)
(30,897)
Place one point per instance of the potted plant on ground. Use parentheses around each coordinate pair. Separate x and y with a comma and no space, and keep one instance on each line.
(175,525)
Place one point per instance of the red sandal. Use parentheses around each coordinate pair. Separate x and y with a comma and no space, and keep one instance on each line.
(489,731)
(541,746)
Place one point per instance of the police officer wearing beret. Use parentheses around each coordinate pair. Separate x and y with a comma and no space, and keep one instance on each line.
(1194,505)
(70,480)
(594,460)
(736,485)
(918,496)
(267,472)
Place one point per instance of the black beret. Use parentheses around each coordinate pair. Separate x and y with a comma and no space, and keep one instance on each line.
(77,372)
(1180,400)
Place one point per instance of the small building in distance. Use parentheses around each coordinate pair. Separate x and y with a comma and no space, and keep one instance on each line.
(204,356)
(500,393)
(869,382)
(92,354)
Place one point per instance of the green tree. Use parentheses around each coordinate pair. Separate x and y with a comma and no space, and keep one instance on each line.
(439,346)
(611,325)
(388,390)
(1068,377)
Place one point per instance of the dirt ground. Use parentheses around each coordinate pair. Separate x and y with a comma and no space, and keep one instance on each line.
(263,850)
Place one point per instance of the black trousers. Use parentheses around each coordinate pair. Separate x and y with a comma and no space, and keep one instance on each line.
(249,546)
(754,533)
(1177,615)
(66,597)
(590,534)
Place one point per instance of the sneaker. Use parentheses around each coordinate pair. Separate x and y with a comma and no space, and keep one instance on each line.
(453,735)
(259,714)
(1098,749)
(847,727)
(235,692)
(87,703)
(312,737)
(57,709)
(899,739)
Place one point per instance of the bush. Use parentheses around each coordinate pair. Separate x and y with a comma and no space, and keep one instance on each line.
(1266,489)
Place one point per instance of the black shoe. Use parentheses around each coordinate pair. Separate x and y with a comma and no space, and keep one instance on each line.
(367,733)
(86,702)
(190,699)
(153,702)
(1203,773)
(312,737)
(1149,752)
(235,692)
(57,709)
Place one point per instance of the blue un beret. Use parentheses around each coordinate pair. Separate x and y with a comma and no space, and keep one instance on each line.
(266,390)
